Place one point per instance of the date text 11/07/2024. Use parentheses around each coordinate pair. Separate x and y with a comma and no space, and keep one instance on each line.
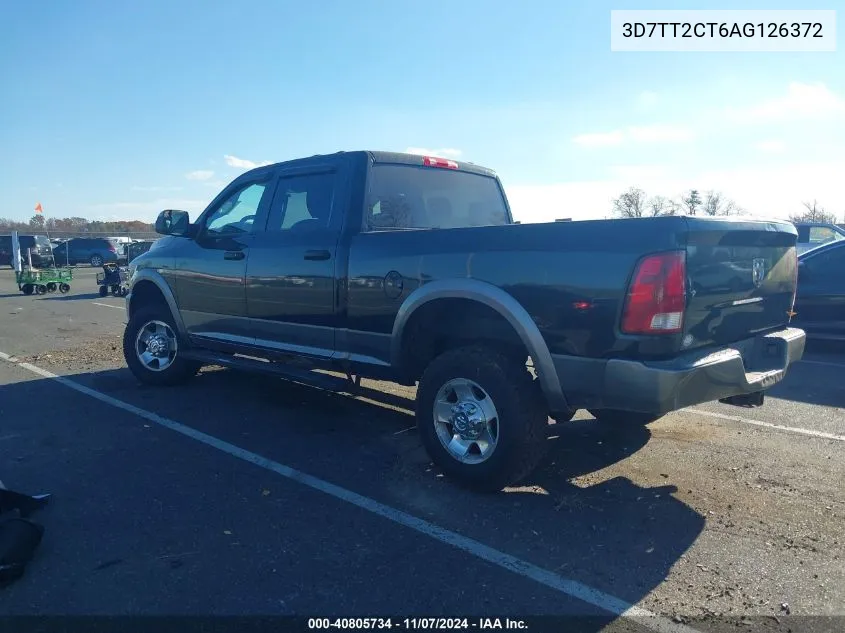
(417,623)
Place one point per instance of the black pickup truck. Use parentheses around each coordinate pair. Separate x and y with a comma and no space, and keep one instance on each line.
(411,269)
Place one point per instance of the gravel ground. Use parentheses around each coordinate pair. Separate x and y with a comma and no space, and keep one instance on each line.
(701,519)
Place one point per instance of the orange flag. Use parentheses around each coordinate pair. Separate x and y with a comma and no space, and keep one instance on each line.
(38,208)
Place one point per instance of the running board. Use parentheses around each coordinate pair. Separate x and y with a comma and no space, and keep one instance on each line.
(280,370)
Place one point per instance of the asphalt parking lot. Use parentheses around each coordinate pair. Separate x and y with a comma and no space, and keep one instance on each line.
(242,494)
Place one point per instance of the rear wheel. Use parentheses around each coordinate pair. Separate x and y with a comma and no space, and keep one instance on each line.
(27,289)
(104,290)
(481,418)
(96,260)
(52,287)
(153,351)
(619,417)
(64,288)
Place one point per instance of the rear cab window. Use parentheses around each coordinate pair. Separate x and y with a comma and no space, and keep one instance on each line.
(823,235)
(416,197)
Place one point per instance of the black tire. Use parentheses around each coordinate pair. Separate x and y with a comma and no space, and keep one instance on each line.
(64,288)
(180,370)
(522,417)
(115,290)
(104,290)
(96,261)
(41,289)
(617,417)
(52,287)
(27,289)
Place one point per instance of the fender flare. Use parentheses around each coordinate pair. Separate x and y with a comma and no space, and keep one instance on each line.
(503,303)
(154,277)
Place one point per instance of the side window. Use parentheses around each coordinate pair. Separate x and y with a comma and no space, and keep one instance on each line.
(238,212)
(829,264)
(821,234)
(303,202)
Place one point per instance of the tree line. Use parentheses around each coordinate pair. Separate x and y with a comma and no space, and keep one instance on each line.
(636,203)
(39,224)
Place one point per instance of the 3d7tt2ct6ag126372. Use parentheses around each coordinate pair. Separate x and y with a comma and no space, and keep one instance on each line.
(411,269)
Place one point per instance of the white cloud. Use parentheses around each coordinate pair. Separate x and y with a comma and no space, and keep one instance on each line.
(661,133)
(154,188)
(761,191)
(243,163)
(801,101)
(444,152)
(199,174)
(771,147)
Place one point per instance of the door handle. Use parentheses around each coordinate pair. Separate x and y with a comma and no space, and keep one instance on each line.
(233,255)
(317,255)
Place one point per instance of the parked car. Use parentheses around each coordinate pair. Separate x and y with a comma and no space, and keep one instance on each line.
(136,248)
(91,250)
(39,246)
(411,269)
(820,302)
(814,234)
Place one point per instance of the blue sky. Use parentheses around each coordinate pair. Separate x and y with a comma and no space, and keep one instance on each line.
(113,110)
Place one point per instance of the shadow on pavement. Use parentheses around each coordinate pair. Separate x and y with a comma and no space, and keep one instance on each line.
(606,532)
(89,296)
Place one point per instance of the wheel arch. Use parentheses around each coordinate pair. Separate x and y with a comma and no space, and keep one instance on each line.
(148,286)
(499,301)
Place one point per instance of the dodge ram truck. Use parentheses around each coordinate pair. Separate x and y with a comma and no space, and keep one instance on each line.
(411,269)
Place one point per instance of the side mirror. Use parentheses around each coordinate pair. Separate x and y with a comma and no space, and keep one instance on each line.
(172,222)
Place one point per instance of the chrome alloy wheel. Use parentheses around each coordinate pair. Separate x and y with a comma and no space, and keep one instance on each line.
(466,421)
(156,346)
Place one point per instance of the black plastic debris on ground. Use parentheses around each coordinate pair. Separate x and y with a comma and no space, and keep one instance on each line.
(19,536)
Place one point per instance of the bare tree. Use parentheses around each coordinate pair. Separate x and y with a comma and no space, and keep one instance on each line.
(658,205)
(631,204)
(716,204)
(814,213)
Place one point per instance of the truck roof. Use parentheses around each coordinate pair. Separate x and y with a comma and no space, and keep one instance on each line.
(377,156)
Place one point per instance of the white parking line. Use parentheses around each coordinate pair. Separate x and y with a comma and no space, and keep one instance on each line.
(571,588)
(108,305)
(769,425)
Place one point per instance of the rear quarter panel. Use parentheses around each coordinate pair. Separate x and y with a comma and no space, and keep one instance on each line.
(570,277)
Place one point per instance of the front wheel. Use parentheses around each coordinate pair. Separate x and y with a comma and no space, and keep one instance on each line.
(153,351)
(104,290)
(481,418)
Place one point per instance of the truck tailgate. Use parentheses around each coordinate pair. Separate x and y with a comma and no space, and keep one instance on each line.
(741,278)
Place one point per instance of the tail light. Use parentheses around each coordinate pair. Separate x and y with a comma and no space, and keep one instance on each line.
(112,248)
(657,295)
(432,161)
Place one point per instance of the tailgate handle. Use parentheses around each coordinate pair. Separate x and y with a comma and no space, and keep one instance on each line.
(233,255)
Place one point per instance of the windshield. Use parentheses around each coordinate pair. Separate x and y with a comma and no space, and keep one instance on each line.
(409,197)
